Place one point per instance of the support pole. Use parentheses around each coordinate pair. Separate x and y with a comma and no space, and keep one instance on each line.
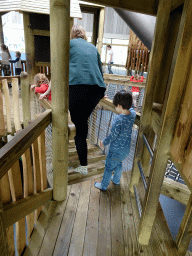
(59,35)
(29,47)
(1,31)
(101,29)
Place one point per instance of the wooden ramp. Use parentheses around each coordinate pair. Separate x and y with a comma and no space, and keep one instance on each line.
(93,222)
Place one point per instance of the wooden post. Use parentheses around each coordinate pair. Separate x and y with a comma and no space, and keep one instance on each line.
(184,235)
(71,23)
(3,234)
(29,48)
(101,29)
(59,35)
(95,28)
(1,32)
(25,95)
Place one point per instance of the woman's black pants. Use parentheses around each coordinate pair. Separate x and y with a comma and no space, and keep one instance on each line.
(82,100)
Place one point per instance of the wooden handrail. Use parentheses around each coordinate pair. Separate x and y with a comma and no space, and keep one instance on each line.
(18,145)
(15,211)
(108,104)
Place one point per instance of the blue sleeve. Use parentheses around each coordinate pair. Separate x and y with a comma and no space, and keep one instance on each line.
(115,130)
(13,61)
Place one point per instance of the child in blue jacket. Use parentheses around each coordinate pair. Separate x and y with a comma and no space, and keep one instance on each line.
(119,139)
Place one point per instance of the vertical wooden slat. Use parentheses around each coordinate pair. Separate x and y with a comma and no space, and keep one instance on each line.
(101,29)
(6,198)
(26,161)
(2,121)
(7,105)
(59,33)
(25,95)
(42,159)
(3,234)
(16,189)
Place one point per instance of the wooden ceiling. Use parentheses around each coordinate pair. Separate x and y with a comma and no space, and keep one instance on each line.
(141,6)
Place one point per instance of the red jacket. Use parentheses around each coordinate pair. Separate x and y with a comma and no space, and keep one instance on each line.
(134,88)
(42,89)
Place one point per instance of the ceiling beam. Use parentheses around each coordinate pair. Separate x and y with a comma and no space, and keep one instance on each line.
(141,6)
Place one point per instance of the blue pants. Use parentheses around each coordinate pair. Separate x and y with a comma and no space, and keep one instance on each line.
(113,163)
(109,68)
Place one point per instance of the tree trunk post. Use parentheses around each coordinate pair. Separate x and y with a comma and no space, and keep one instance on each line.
(59,35)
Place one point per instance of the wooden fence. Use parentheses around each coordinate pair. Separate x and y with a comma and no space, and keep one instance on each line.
(23,180)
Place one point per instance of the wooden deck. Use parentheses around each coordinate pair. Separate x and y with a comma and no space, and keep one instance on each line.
(92,222)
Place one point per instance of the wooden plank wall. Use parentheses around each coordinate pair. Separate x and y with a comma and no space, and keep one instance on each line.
(138,54)
(26,177)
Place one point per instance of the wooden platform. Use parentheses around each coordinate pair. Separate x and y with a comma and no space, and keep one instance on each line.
(92,222)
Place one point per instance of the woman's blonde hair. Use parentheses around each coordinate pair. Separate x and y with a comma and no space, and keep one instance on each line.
(40,79)
(78,31)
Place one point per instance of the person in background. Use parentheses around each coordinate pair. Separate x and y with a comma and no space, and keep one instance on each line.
(17,62)
(41,84)
(119,139)
(5,56)
(135,89)
(110,51)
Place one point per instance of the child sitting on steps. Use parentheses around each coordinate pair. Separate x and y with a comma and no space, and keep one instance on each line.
(119,139)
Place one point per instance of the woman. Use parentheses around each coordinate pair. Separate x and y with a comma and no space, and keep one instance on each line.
(86,88)
(5,56)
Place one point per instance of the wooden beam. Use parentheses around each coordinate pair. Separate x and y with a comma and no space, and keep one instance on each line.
(101,29)
(38,32)
(184,235)
(18,145)
(1,31)
(141,6)
(175,190)
(180,67)
(15,211)
(60,35)
(29,47)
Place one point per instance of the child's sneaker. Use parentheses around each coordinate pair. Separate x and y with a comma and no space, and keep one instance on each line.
(98,185)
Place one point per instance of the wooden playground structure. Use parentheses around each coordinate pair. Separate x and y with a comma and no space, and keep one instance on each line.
(75,218)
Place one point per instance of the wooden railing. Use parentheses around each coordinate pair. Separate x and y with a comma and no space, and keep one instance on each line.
(23,190)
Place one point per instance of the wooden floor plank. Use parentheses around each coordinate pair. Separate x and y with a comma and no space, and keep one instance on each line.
(52,230)
(77,240)
(104,237)
(143,250)
(131,243)
(66,229)
(91,235)
(118,246)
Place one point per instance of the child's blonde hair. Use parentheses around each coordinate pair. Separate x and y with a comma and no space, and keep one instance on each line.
(40,79)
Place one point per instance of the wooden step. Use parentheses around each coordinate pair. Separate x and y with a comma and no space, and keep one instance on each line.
(91,159)
(73,152)
(93,169)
